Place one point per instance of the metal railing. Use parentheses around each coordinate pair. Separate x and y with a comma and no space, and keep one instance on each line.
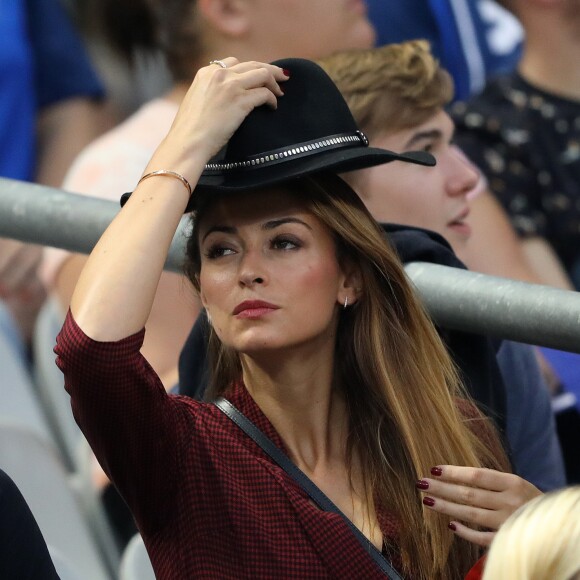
(455,298)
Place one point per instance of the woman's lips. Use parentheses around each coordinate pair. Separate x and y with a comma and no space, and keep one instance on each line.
(253,309)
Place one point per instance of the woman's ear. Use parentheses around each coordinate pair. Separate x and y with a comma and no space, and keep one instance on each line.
(350,285)
(228,17)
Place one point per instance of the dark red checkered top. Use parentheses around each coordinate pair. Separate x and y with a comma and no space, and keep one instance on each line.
(208,501)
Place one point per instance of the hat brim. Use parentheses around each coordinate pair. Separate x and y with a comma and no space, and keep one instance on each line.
(335,161)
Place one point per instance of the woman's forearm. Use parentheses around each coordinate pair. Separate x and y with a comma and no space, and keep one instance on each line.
(115,291)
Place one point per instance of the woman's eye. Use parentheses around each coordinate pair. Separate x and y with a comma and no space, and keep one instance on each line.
(218,251)
(428,148)
(285,243)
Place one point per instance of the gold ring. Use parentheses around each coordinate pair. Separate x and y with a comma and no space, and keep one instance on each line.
(219,63)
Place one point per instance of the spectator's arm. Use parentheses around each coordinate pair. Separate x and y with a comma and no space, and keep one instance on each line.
(545,263)
(20,288)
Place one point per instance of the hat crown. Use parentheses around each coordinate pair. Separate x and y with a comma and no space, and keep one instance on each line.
(311,131)
(311,109)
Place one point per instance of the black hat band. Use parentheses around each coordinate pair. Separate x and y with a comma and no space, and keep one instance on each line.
(290,153)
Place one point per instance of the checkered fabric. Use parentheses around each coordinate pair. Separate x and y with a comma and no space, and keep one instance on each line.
(208,501)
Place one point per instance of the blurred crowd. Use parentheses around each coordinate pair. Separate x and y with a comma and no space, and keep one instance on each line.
(490,87)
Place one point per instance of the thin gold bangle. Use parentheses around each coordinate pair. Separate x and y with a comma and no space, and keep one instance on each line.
(167,173)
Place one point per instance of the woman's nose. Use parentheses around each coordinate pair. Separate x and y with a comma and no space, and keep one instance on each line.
(250,280)
(251,270)
(464,176)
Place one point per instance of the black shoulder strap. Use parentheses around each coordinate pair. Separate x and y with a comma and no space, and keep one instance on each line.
(303,481)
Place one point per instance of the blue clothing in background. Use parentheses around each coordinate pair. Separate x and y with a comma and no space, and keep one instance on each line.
(42,62)
(531,426)
(473,39)
(566,365)
(17,95)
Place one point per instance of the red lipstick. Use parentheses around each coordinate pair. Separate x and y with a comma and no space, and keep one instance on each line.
(253,309)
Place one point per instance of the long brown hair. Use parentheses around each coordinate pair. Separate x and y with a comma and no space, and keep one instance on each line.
(398,380)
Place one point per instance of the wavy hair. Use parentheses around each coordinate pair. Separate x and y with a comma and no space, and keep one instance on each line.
(399,382)
(393,87)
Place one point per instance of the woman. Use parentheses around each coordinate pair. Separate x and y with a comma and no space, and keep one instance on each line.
(319,340)
(187,32)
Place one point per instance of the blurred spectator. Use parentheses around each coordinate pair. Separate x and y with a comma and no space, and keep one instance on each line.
(473,39)
(523,131)
(51,105)
(540,541)
(24,554)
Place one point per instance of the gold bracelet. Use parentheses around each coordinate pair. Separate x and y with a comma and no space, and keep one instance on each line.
(165,172)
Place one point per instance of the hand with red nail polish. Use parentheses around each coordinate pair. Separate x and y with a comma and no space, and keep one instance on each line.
(480,498)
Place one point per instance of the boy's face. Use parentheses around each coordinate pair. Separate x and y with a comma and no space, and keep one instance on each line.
(434,198)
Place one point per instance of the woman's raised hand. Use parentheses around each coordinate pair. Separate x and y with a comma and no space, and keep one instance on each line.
(484,498)
(217,102)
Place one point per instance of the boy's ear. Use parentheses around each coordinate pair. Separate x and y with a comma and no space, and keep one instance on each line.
(229,17)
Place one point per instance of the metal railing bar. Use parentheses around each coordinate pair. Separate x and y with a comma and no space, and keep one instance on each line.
(456,299)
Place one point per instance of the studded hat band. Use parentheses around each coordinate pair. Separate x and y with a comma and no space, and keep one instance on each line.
(289,153)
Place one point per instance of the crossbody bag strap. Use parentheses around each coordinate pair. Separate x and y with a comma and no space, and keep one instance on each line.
(303,481)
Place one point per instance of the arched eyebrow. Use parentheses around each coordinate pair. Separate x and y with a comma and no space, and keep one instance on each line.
(432,135)
(222,229)
(267,226)
(272,224)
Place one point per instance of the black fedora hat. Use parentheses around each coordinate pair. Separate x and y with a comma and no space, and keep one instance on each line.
(311,131)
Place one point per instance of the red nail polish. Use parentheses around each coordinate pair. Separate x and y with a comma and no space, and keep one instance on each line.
(429,501)
(422,484)
(286,72)
(437,471)
(452,527)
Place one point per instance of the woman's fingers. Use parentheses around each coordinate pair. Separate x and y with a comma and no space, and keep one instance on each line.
(474,536)
(466,513)
(510,490)
(219,99)
(463,494)
(255,74)
(229,62)
(473,476)
(476,496)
